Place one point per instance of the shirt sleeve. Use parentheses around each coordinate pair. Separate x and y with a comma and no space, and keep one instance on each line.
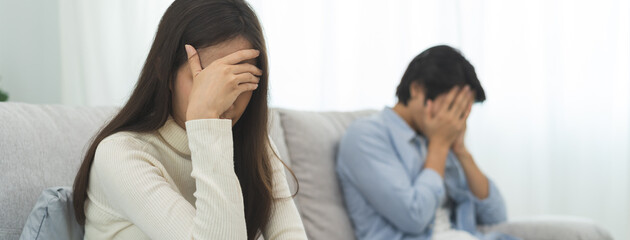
(285,221)
(491,210)
(368,162)
(135,186)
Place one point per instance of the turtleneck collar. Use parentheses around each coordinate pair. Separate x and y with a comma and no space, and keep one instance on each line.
(175,136)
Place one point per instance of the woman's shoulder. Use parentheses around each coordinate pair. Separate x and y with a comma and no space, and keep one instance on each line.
(125,152)
(125,143)
(128,139)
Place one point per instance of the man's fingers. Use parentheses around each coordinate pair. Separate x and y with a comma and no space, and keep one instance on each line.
(467,111)
(429,111)
(438,103)
(450,97)
(468,105)
(239,56)
(459,104)
(193,60)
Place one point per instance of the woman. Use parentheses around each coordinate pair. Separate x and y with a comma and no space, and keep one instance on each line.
(188,156)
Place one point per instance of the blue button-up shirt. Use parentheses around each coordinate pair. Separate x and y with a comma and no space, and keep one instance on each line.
(390,195)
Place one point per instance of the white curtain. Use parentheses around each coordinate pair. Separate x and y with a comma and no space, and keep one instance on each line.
(103,46)
(554,133)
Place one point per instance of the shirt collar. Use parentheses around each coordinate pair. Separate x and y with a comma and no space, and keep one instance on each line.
(175,136)
(398,126)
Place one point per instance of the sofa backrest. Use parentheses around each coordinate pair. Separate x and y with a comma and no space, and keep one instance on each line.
(40,146)
(312,139)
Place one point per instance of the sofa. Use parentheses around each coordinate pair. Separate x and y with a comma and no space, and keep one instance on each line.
(41,146)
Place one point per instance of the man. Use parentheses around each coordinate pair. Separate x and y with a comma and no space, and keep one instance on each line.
(406,172)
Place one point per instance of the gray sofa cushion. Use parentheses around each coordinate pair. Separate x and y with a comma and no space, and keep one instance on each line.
(41,147)
(551,228)
(312,139)
(53,217)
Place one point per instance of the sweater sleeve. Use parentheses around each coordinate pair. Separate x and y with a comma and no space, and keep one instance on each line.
(220,208)
(135,186)
(285,221)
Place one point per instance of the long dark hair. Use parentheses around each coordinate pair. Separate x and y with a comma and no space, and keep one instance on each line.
(200,23)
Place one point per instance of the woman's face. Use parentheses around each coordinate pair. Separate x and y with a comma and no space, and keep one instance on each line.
(183,81)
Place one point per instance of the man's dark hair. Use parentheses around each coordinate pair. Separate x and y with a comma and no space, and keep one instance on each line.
(438,70)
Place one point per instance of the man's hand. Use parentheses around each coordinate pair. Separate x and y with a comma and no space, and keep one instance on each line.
(477,181)
(458,146)
(443,123)
(444,120)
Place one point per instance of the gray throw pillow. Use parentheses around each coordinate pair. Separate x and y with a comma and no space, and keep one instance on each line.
(53,217)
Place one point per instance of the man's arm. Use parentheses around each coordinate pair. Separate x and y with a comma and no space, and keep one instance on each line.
(436,157)
(477,181)
(490,208)
(367,161)
(450,111)
(445,126)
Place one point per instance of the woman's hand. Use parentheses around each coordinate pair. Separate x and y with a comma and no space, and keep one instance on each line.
(216,87)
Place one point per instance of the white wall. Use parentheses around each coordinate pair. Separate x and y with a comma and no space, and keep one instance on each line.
(30,66)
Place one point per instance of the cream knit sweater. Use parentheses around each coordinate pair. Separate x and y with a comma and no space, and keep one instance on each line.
(178,184)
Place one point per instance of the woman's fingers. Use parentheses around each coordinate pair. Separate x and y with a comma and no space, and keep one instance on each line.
(247,87)
(193,60)
(239,56)
(246,78)
(245,68)
(247,82)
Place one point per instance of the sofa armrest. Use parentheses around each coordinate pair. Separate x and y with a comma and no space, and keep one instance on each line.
(551,228)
